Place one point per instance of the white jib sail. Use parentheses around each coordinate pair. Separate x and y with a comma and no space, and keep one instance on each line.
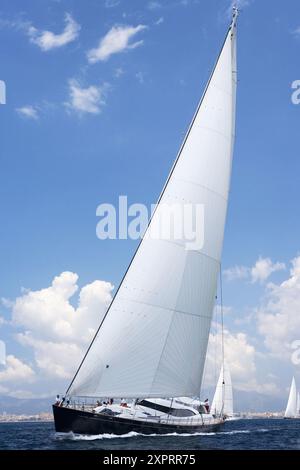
(291,409)
(223,399)
(153,340)
(298,404)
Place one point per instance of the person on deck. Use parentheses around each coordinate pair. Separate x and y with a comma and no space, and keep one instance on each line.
(207,405)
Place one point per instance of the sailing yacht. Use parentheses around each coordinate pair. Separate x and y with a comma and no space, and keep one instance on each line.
(143,369)
(292,408)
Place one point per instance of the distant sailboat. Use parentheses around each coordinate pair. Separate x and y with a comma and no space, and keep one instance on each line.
(151,345)
(222,404)
(291,409)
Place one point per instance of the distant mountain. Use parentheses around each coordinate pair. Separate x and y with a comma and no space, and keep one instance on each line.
(242,401)
(256,402)
(25,406)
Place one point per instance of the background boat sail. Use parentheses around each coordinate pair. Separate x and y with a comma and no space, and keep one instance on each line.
(153,339)
(222,403)
(291,408)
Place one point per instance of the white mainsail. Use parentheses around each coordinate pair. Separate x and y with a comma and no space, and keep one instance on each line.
(298,405)
(153,339)
(291,409)
(222,403)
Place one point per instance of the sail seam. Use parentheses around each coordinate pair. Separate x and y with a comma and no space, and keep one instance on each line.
(174,310)
(211,129)
(204,187)
(180,245)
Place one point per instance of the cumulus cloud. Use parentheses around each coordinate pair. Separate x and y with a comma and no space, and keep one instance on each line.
(57,331)
(29,112)
(50,313)
(47,40)
(154,5)
(89,100)
(16,371)
(115,41)
(241,357)
(259,272)
(263,268)
(278,320)
(54,359)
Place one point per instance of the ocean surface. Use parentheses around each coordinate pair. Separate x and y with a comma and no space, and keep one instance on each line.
(239,434)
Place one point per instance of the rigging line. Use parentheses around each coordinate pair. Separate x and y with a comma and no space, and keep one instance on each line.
(215,345)
(222,339)
(159,199)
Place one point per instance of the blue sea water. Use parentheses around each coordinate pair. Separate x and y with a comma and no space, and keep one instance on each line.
(240,434)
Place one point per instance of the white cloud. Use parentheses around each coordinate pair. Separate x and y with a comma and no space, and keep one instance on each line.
(4,390)
(2,92)
(86,100)
(154,5)
(29,112)
(239,354)
(119,72)
(159,21)
(241,357)
(22,394)
(218,310)
(115,41)
(16,371)
(236,272)
(49,312)
(58,332)
(242,3)
(296,32)
(259,272)
(47,40)
(111,3)
(140,77)
(263,268)
(186,3)
(54,359)
(278,320)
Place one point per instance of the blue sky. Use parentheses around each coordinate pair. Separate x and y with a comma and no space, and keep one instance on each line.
(62,155)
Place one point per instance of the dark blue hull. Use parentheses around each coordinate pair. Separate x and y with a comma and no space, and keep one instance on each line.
(85,422)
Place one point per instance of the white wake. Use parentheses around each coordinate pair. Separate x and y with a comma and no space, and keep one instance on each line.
(82,437)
